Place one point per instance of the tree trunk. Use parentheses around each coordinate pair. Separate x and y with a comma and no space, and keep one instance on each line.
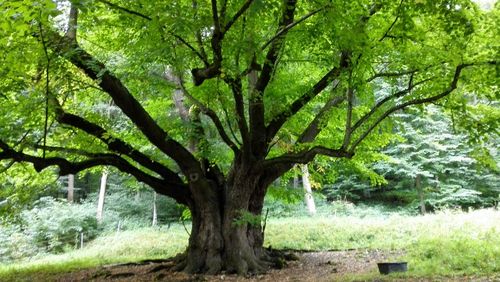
(102,195)
(71,187)
(420,192)
(155,213)
(311,207)
(226,230)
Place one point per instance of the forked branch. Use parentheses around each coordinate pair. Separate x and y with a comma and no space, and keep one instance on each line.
(121,96)
(177,191)
(307,156)
(450,89)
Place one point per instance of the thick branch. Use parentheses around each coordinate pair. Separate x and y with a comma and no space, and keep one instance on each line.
(72,22)
(124,100)
(115,144)
(215,17)
(177,191)
(256,103)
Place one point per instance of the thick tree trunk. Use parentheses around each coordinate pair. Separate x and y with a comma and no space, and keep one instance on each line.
(226,230)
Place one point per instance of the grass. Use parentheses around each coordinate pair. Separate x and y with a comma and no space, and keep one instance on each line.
(445,244)
(125,246)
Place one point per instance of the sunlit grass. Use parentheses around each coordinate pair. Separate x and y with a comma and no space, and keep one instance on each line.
(387,232)
(445,244)
(121,247)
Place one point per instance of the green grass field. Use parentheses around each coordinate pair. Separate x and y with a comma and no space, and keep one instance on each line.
(445,244)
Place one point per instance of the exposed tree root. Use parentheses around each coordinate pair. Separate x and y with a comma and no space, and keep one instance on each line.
(247,263)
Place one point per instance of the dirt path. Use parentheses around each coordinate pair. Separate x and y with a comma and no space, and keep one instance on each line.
(311,266)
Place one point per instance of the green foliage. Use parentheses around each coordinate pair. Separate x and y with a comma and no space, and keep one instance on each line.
(443,159)
(50,227)
(285,195)
(246,217)
(54,226)
(112,247)
(21,186)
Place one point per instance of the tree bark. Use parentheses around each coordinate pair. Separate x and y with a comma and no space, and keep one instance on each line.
(420,192)
(308,195)
(71,188)
(155,213)
(102,195)
(226,230)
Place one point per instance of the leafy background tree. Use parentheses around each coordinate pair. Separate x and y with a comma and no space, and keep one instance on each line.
(451,169)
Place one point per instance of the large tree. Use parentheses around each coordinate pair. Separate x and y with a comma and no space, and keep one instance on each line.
(219,98)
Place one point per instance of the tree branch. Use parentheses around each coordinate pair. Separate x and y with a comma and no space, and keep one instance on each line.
(213,116)
(177,191)
(126,10)
(72,22)
(279,120)
(121,96)
(393,23)
(306,156)
(398,94)
(450,89)
(202,54)
(256,103)
(313,129)
(236,89)
(114,144)
(196,52)
(199,54)
(391,74)
(238,14)
(348,122)
(291,25)
(401,73)
(215,17)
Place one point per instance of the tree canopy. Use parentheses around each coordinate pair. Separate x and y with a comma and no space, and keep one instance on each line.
(210,102)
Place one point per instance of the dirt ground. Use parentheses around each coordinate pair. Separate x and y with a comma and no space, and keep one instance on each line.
(310,266)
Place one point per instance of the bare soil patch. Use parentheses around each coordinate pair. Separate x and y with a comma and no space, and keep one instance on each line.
(310,266)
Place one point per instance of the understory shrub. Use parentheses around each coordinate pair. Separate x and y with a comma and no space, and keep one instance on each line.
(52,226)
